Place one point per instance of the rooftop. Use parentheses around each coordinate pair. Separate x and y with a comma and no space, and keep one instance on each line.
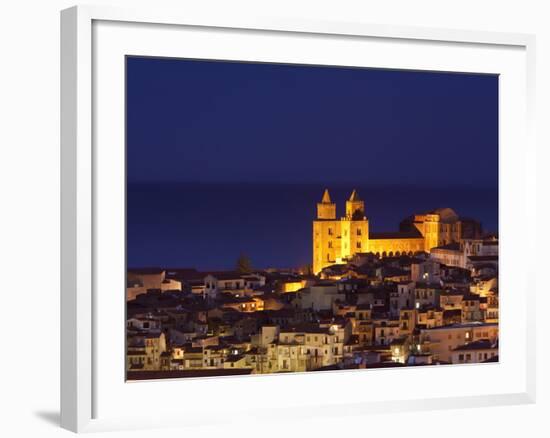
(482,344)
(225,275)
(463,325)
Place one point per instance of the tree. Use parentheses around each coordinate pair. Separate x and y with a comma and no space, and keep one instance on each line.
(244,265)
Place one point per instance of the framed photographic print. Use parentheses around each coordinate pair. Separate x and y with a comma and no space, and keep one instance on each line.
(317,211)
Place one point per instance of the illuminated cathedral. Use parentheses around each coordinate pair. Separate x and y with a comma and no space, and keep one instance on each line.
(337,240)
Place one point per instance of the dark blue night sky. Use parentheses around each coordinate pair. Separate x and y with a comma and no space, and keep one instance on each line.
(210,145)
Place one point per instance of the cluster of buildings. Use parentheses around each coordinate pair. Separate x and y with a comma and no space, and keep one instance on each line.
(427,294)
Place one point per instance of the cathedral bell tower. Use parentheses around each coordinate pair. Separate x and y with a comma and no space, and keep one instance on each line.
(354,227)
(337,240)
(326,234)
(326,209)
(355,207)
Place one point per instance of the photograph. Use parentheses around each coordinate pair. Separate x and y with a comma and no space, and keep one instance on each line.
(261,218)
(288,218)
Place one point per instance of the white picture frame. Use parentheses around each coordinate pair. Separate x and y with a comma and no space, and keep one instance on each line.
(85,385)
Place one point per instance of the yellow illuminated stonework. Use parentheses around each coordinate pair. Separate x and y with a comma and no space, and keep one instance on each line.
(337,240)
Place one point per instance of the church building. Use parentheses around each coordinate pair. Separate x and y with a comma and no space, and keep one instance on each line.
(337,240)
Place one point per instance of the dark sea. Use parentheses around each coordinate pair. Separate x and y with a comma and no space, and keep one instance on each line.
(207,226)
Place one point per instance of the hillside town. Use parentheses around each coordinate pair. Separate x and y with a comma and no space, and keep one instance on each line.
(424,295)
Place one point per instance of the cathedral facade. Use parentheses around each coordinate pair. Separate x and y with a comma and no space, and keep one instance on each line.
(336,240)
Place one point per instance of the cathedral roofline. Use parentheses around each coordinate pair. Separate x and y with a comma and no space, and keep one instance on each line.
(326,197)
(354,196)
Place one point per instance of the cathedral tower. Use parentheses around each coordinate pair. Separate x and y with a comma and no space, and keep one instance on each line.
(355,228)
(326,209)
(326,234)
(355,207)
(335,240)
